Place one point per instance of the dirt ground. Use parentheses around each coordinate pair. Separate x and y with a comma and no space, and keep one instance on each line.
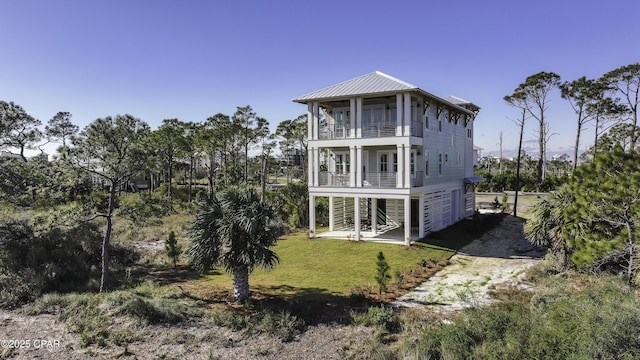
(496,259)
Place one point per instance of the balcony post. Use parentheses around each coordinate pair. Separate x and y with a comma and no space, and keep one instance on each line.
(407,114)
(316,117)
(359,117)
(399,182)
(399,109)
(352,117)
(310,121)
(310,166)
(407,166)
(358,166)
(352,170)
(316,161)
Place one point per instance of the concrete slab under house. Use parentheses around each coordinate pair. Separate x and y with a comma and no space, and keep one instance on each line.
(395,161)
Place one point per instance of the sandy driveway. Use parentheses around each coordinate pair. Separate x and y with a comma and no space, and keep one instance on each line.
(497,259)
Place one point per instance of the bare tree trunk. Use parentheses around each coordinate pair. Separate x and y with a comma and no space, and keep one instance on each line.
(541,145)
(241,284)
(107,238)
(515,201)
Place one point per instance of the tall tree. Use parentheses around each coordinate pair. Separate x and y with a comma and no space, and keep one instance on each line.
(532,95)
(17,128)
(294,141)
(519,103)
(106,148)
(211,140)
(60,128)
(581,93)
(236,230)
(625,81)
(169,140)
(266,144)
(244,119)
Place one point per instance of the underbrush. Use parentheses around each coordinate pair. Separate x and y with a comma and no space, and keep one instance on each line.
(577,317)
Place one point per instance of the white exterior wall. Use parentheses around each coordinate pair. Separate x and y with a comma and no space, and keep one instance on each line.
(440,208)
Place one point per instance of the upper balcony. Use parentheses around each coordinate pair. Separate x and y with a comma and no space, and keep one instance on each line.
(375,130)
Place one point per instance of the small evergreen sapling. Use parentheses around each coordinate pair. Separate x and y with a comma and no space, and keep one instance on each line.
(382,276)
(172,248)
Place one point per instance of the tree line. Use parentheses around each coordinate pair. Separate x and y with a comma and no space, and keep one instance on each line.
(607,102)
(111,151)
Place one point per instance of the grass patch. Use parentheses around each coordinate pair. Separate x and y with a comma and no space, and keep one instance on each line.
(329,265)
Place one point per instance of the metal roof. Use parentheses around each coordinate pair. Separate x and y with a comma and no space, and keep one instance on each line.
(378,83)
(369,84)
(462,102)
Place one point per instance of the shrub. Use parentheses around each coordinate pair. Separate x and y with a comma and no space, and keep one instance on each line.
(55,260)
(381,316)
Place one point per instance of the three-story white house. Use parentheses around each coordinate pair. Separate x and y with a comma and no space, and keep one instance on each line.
(391,158)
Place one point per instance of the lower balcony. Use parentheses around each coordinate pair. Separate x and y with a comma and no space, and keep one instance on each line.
(369,179)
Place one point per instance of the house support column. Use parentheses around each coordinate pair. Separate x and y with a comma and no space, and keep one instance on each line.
(407,166)
(356,217)
(421,216)
(407,220)
(352,170)
(358,117)
(332,221)
(352,117)
(374,216)
(358,163)
(399,109)
(400,156)
(312,216)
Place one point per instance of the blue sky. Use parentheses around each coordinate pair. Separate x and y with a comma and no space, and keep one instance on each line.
(191,59)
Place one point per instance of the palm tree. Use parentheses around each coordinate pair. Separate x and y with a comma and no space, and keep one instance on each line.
(236,231)
(546,222)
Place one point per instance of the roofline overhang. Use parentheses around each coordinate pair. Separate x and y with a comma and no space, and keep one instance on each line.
(387,93)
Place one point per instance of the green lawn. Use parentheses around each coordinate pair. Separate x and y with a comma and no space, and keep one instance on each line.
(329,266)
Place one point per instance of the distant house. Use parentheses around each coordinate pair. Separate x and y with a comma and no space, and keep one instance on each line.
(396,159)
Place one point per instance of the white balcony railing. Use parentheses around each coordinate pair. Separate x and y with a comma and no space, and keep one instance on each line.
(378,130)
(326,178)
(369,179)
(330,132)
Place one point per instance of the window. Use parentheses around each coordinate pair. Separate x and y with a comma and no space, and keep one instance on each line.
(469,133)
(453,140)
(458,158)
(426,163)
(440,164)
(395,162)
(440,124)
(384,162)
(426,122)
(446,157)
(342,164)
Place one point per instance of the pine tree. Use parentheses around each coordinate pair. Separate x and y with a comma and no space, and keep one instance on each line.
(382,276)
(172,248)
